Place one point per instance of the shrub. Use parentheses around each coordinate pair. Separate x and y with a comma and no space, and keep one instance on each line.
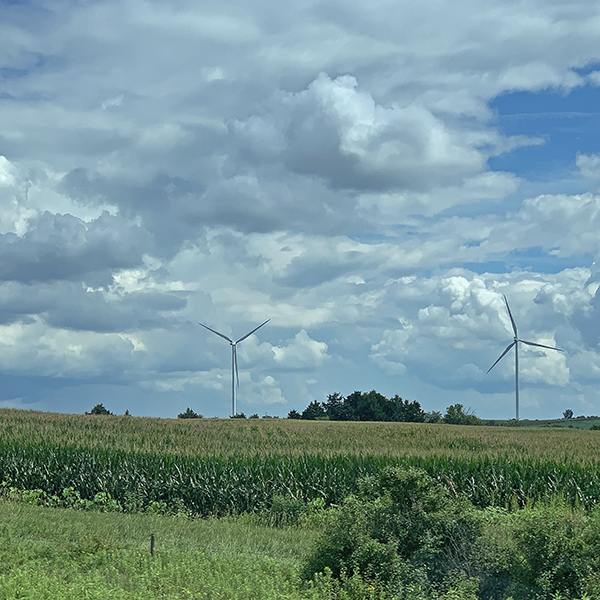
(402,529)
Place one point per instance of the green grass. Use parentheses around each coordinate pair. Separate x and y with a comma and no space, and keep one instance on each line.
(574,423)
(55,553)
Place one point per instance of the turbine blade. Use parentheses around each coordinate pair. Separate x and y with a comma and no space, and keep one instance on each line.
(541,345)
(514,325)
(219,334)
(501,356)
(251,332)
(237,374)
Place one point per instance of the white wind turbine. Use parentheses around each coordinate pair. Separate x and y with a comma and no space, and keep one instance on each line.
(234,366)
(515,343)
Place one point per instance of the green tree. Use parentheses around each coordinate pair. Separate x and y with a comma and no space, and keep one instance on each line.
(404,410)
(369,406)
(568,414)
(456,415)
(433,417)
(313,411)
(294,414)
(335,407)
(99,410)
(189,414)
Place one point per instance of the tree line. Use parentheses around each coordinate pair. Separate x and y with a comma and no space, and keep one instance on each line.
(373,406)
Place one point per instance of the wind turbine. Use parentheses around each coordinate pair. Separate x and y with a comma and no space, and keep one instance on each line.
(234,366)
(516,345)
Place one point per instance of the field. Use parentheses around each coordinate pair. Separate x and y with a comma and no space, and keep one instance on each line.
(221,467)
(295,438)
(137,476)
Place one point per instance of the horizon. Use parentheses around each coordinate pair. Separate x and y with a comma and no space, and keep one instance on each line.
(372,179)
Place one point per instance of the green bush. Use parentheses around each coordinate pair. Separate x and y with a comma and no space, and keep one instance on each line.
(547,550)
(402,530)
(285,511)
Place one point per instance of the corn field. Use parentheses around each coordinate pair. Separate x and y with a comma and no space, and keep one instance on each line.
(226,467)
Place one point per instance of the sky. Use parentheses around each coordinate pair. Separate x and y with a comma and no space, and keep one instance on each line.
(371,177)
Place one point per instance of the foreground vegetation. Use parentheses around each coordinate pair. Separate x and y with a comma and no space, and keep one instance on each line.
(320,509)
(58,554)
(402,536)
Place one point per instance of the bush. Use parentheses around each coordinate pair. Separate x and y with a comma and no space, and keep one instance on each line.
(545,550)
(403,529)
(285,511)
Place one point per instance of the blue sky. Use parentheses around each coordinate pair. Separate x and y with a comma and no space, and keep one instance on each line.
(373,179)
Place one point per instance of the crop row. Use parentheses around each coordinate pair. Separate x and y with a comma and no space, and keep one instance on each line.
(232,485)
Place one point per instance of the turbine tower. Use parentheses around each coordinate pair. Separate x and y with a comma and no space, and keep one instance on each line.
(234,366)
(515,343)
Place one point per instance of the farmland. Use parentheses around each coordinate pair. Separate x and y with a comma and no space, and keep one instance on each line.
(293,438)
(270,482)
(224,467)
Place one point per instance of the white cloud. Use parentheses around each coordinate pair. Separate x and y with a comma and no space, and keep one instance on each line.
(342,169)
(302,353)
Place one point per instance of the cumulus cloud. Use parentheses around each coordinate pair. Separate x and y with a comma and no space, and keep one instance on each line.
(302,353)
(64,247)
(336,131)
(341,168)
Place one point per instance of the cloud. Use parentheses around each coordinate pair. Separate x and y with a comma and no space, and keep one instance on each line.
(303,353)
(337,132)
(347,170)
(64,247)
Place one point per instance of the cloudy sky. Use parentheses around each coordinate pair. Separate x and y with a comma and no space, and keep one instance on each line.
(372,177)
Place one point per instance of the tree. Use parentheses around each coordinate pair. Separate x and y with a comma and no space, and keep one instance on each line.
(568,414)
(370,406)
(433,417)
(335,407)
(189,414)
(313,411)
(99,410)
(294,414)
(455,415)
(404,410)
(238,416)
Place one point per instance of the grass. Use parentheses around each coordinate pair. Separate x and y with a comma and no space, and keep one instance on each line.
(54,554)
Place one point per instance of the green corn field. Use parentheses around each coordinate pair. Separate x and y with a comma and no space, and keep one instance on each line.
(222,467)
